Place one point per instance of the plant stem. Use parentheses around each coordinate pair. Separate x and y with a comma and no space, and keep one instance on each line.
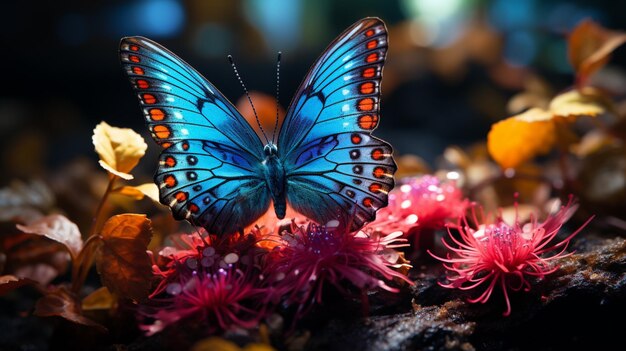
(84,259)
(565,172)
(82,263)
(97,218)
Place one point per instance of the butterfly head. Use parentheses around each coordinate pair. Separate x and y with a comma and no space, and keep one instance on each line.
(270,149)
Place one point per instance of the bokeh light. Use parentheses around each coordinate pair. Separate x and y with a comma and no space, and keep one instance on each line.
(155,18)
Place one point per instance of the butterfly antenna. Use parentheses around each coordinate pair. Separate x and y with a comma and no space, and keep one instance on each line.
(277,93)
(232,63)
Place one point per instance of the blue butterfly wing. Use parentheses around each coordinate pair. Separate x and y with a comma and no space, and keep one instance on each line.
(209,172)
(334,166)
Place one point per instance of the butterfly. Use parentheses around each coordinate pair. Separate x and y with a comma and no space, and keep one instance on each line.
(217,173)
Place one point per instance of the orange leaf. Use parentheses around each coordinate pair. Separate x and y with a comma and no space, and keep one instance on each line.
(59,229)
(124,266)
(518,139)
(11,282)
(590,46)
(215,343)
(63,303)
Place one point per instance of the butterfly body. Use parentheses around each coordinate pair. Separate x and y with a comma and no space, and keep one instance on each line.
(214,170)
(275,179)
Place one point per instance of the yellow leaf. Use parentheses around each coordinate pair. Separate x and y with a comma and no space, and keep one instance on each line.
(593,142)
(410,165)
(574,103)
(138,192)
(119,149)
(518,139)
(101,299)
(219,344)
(590,46)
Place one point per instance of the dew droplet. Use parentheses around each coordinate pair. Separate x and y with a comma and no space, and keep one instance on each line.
(207,261)
(209,251)
(174,289)
(332,223)
(411,219)
(231,258)
(192,263)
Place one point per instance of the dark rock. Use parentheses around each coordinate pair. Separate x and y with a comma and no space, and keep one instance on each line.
(573,308)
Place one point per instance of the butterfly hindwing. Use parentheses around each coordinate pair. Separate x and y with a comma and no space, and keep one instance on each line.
(211,186)
(209,172)
(329,155)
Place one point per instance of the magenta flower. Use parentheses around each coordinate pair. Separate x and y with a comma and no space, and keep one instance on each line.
(207,279)
(203,251)
(222,299)
(420,203)
(310,257)
(505,256)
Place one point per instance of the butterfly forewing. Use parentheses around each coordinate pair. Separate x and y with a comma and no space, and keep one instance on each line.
(329,154)
(209,172)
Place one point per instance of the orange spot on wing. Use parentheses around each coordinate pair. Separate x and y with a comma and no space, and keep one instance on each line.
(185,145)
(148,99)
(134,58)
(368,121)
(134,48)
(180,196)
(378,154)
(162,131)
(138,70)
(156,114)
(166,145)
(379,172)
(170,161)
(193,208)
(369,72)
(371,57)
(368,202)
(369,33)
(170,181)
(356,139)
(367,88)
(142,84)
(375,187)
(371,44)
(366,104)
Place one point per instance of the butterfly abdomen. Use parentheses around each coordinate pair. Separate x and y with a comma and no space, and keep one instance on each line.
(276,183)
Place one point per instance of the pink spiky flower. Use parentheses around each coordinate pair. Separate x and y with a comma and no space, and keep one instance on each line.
(308,257)
(505,256)
(420,203)
(201,250)
(207,279)
(221,299)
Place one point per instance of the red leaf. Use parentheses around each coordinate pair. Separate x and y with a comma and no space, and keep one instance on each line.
(124,266)
(59,229)
(34,257)
(589,48)
(11,282)
(61,302)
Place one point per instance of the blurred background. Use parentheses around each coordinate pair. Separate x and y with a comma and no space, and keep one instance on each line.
(451,67)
